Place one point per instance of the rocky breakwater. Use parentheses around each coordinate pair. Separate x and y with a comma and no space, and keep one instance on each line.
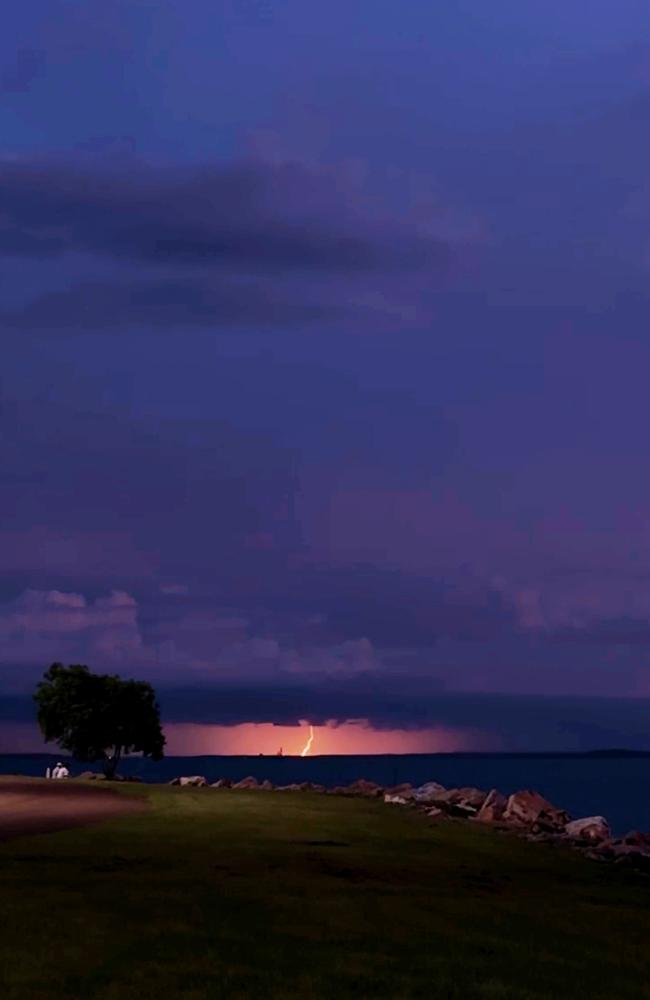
(528,814)
(525,813)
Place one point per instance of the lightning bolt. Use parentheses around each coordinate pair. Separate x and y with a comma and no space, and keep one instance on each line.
(307,746)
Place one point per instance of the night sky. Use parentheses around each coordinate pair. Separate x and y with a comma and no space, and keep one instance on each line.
(325,366)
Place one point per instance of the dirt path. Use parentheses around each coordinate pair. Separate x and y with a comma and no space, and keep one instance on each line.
(45,806)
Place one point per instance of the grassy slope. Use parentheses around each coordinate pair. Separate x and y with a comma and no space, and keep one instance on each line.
(232,894)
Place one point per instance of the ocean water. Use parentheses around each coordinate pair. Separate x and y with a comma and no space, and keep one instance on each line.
(616,786)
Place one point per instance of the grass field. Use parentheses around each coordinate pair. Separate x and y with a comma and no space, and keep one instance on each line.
(213,894)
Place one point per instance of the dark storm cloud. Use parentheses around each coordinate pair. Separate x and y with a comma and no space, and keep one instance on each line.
(384,701)
(391,495)
(250,243)
(217,497)
(517,722)
(337,422)
(397,609)
(251,216)
(75,474)
(509,722)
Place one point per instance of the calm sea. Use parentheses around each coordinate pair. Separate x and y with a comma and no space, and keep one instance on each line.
(617,787)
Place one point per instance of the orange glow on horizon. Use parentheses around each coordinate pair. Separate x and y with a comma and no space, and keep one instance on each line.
(351,737)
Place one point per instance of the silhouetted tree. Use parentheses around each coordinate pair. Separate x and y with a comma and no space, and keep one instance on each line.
(98,717)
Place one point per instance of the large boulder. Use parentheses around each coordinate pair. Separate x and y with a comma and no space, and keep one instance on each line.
(589,830)
(493,807)
(398,800)
(551,823)
(191,781)
(404,789)
(428,793)
(529,809)
(469,799)
(460,801)
(266,786)
(367,789)
(247,783)
(221,783)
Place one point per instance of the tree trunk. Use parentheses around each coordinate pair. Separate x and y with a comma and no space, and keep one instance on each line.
(111,760)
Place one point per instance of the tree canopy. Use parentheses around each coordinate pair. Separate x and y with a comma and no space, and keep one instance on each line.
(98,717)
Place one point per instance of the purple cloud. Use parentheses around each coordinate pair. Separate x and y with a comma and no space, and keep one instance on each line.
(253,216)
(251,242)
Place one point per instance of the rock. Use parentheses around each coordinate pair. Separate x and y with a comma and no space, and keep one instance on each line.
(632,857)
(404,789)
(191,781)
(367,789)
(595,855)
(471,797)
(552,822)
(636,839)
(266,786)
(397,800)
(304,786)
(435,813)
(247,783)
(428,793)
(590,830)
(632,850)
(221,783)
(528,809)
(460,801)
(544,836)
(493,808)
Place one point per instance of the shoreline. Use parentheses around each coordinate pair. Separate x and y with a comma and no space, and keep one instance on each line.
(38,805)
